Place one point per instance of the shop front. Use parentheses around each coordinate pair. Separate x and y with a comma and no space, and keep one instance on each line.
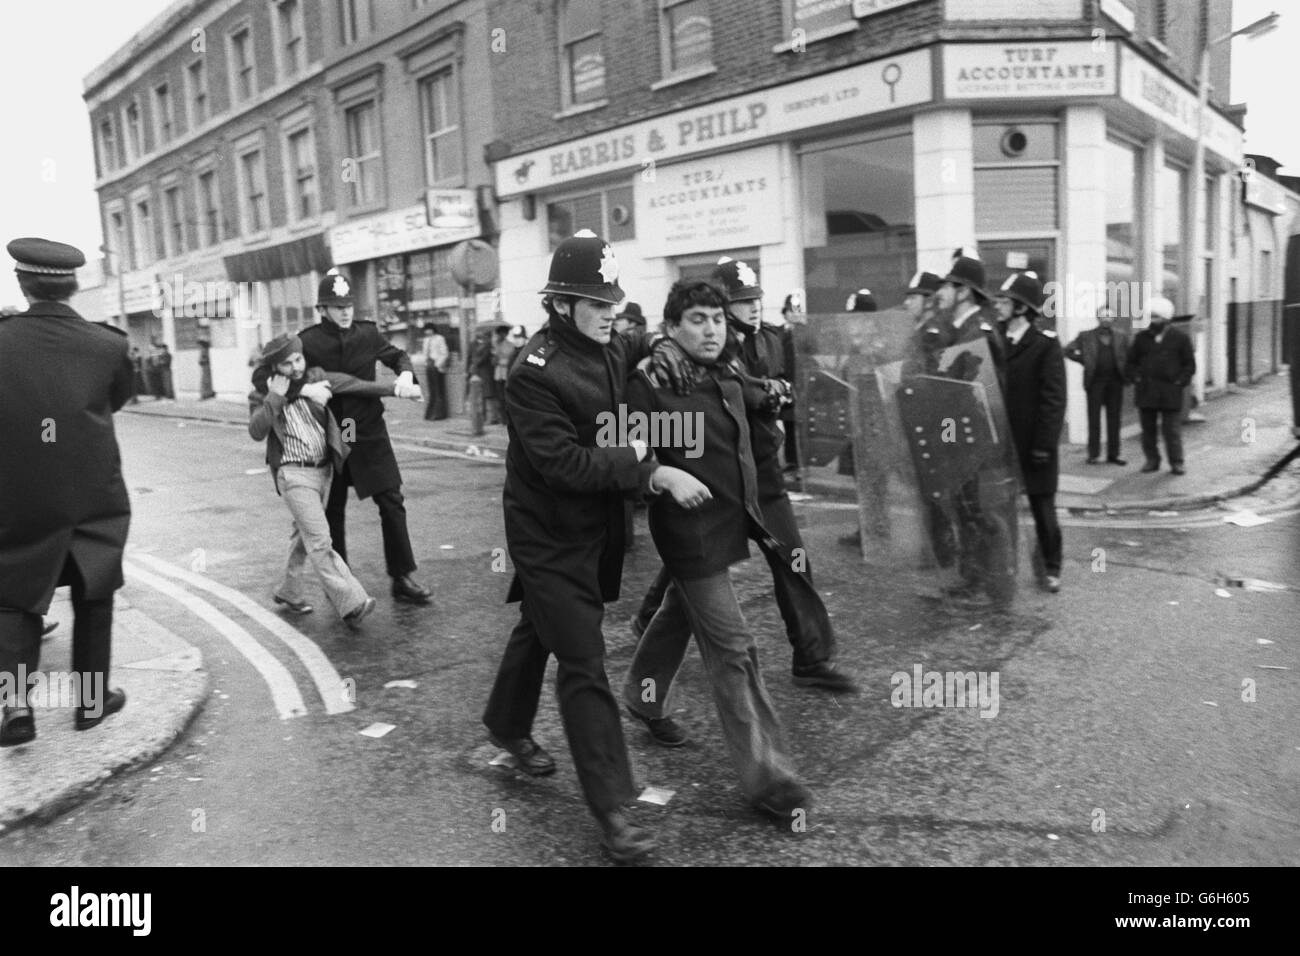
(400,264)
(1068,158)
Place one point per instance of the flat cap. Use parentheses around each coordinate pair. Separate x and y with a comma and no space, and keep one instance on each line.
(279,349)
(46,257)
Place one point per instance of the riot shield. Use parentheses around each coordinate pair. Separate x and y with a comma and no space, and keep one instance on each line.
(919,439)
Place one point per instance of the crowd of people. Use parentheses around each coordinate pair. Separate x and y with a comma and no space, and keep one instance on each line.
(317,406)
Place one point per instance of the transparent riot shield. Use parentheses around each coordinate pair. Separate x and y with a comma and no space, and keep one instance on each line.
(919,439)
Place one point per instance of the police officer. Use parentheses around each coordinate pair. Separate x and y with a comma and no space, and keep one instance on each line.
(861,301)
(66,506)
(964,312)
(342,343)
(1035,400)
(563,504)
(918,300)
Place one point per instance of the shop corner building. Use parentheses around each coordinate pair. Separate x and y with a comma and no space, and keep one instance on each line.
(243,147)
(839,144)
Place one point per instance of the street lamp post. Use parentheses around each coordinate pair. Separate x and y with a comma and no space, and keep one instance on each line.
(1197,283)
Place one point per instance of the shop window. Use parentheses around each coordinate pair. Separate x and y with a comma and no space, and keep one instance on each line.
(582,52)
(1016,177)
(1171,193)
(859,221)
(608,214)
(686,36)
(1123,238)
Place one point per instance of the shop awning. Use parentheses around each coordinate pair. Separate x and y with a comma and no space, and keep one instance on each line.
(288,259)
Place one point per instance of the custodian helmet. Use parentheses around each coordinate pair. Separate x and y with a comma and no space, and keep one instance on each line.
(584,266)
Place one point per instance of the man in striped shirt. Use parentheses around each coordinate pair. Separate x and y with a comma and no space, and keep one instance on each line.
(304,448)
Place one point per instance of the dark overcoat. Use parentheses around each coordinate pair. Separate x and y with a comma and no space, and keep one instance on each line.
(1086,348)
(564,492)
(61,489)
(1160,370)
(1035,400)
(703,541)
(355,350)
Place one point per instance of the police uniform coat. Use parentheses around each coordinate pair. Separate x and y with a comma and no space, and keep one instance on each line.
(61,488)
(1160,370)
(372,464)
(563,496)
(1035,400)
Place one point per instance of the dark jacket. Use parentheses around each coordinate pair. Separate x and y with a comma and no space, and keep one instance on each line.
(563,496)
(1087,346)
(266,413)
(372,465)
(709,539)
(1160,370)
(1035,400)
(61,488)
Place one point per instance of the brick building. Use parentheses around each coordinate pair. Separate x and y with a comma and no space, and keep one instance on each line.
(245,146)
(845,143)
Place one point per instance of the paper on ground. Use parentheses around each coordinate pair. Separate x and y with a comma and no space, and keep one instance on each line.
(657,795)
(1245,519)
(378,730)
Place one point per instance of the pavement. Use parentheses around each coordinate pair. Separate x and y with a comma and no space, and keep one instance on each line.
(1246,439)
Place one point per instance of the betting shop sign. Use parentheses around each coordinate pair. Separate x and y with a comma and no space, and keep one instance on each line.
(1015,70)
(884,84)
(730,200)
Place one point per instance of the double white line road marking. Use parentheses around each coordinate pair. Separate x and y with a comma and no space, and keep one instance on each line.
(284,689)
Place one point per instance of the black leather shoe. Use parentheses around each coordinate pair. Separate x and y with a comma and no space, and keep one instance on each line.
(1151,466)
(405,589)
(1091,461)
(533,760)
(17,726)
(1116,461)
(663,730)
(826,676)
(782,798)
(1177,470)
(114,702)
(623,839)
